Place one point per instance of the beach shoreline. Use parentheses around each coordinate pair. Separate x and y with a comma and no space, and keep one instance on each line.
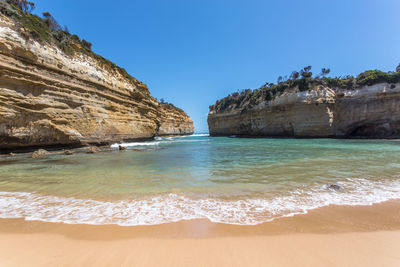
(328,236)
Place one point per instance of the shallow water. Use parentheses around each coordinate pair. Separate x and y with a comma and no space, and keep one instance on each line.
(229,180)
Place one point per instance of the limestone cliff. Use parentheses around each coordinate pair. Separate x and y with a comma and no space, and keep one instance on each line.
(174,121)
(51,98)
(368,111)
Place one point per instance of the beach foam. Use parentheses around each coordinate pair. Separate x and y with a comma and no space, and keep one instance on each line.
(174,207)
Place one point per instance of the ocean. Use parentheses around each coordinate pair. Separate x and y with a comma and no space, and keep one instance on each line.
(244,181)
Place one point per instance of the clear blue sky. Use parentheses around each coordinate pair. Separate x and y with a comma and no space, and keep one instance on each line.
(193,52)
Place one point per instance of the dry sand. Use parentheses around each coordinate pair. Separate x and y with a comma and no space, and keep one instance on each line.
(330,236)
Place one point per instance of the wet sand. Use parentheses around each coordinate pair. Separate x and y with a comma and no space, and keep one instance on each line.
(329,236)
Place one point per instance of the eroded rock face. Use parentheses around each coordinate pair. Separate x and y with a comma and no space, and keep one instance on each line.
(367,112)
(174,121)
(48,98)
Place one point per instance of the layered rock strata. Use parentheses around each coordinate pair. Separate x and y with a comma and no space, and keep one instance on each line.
(49,98)
(174,121)
(367,112)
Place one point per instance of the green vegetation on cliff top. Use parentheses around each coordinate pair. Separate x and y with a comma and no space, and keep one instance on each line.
(47,30)
(299,82)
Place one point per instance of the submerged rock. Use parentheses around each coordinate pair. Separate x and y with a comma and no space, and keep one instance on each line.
(68,152)
(93,150)
(41,153)
(335,187)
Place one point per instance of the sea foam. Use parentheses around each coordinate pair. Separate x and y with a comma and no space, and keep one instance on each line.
(176,207)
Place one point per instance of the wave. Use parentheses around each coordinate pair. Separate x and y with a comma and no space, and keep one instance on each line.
(196,135)
(158,140)
(134,144)
(175,207)
(180,136)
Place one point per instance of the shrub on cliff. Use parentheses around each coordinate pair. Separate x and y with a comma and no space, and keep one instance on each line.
(51,22)
(324,72)
(45,29)
(306,72)
(371,77)
(294,75)
(86,44)
(346,82)
(24,5)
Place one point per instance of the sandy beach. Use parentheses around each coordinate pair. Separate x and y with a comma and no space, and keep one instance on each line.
(329,236)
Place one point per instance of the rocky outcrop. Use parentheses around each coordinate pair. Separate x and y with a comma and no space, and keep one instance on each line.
(367,112)
(50,98)
(41,153)
(174,121)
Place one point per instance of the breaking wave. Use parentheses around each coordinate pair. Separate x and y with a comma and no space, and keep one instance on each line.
(175,207)
(161,140)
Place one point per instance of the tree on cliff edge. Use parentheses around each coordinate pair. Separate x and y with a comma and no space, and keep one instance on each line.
(306,72)
(24,5)
(325,71)
(51,22)
(294,75)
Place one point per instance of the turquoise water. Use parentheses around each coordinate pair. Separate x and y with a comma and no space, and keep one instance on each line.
(228,180)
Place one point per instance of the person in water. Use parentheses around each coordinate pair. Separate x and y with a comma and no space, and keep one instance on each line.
(121,147)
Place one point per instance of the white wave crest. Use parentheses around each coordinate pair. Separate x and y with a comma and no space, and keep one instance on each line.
(134,144)
(172,207)
(158,140)
(196,135)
